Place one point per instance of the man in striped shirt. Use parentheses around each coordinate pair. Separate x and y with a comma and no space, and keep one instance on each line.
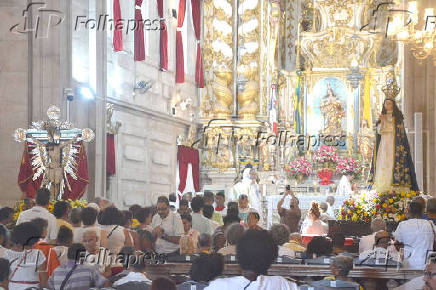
(74,275)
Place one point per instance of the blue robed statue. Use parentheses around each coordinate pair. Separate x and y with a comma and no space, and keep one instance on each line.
(392,166)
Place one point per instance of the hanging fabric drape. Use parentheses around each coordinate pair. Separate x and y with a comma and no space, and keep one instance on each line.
(118,28)
(78,185)
(196,17)
(163,47)
(180,65)
(110,154)
(139,32)
(185,156)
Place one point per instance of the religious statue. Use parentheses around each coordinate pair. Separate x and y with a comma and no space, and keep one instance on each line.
(333,113)
(392,166)
(111,128)
(249,187)
(268,149)
(55,146)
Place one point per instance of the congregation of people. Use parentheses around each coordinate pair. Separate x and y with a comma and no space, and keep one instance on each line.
(101,246)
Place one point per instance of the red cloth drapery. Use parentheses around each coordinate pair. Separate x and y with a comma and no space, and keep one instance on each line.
(25,182)
(78,186)
(110,154)
(139,33)
(163,37)
(118,27)
(196,18)
(186,155)
(180,65)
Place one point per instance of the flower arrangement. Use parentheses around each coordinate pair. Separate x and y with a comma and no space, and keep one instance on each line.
(349,166)
(300,166)
(26,204)
(326,156)
(354,210)
(392,205)
(387,205)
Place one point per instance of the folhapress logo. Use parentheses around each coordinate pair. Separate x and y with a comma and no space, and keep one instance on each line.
(33,17)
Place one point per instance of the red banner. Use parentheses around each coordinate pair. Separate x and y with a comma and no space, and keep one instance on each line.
(110,154)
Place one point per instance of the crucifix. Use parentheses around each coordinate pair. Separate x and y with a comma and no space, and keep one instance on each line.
(54,148)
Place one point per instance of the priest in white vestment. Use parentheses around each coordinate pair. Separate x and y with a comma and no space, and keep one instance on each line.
(249,187)
(344,187)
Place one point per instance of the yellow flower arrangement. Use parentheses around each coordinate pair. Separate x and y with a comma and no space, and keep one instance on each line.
(389,205)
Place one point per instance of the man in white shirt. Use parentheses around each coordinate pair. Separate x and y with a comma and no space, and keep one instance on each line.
(40,211)
(367,242)
(167,228)
(330,211)
(255,253)
(199,222)
(417,236)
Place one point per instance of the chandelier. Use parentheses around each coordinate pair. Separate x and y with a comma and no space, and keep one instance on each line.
(421,40)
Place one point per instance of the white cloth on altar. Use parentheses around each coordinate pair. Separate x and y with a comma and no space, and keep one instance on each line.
(385,157)
(250,189)
(344,187)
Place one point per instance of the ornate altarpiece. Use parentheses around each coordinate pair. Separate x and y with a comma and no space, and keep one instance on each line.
(315,45)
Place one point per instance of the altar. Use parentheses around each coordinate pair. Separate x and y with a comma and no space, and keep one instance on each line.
(303,116)
(305,201)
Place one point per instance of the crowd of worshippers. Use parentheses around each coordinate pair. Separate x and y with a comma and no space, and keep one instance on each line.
(101,246)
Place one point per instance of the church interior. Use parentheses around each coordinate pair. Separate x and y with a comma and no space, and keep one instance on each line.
(265,144)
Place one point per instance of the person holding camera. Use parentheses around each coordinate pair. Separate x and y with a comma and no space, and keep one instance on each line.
(290,217)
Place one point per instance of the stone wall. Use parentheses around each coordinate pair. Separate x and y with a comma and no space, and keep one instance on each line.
(13,96)
(34,72)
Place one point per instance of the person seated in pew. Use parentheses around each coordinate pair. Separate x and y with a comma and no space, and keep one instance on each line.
(338,244)
(145,241)
(253,221)
(189,240)
(184,207)
(204,269)
(295,243)
(381,249)
(233,233)
(208,212)
(325,217)
(204,243)
(243,208)
(255,253)
(280,235)
(340,266)
(219,237)
(136,265)
(367,242)
(312,224)
(318,247)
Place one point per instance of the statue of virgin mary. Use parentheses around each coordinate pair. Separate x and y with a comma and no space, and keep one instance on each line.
(392,166)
